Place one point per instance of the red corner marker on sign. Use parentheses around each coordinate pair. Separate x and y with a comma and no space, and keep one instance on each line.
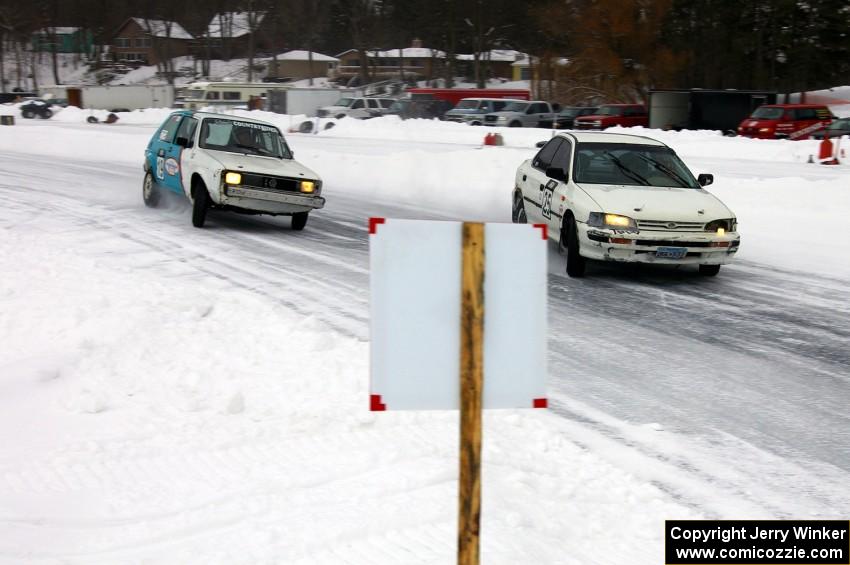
(541,403)
(545,229)
(375,404)
(373,224)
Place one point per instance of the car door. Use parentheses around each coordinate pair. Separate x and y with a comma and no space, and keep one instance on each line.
(165,155)
(555,203)
(358,109)
(539,189)
(186,143)
(544,115)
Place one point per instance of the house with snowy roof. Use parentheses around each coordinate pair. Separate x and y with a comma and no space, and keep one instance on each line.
(63,39)
(299,64)
(416,62)
(149,42)
(233,34)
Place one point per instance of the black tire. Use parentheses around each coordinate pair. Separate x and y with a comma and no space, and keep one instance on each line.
(150,191)
(475,123)
(28,114)
(515,124)
(299,220)
(46,115)
(340,116)
(709,270)
(576,264)
(200,205)
(518,215)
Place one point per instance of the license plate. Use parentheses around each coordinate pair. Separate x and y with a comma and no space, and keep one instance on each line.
(671,252)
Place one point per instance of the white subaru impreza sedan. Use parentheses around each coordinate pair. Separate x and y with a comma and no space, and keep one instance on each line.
(617,197)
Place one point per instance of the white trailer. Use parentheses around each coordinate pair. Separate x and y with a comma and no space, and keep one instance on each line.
(114,98)
(307,101)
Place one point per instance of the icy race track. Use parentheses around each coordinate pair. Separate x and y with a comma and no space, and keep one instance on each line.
(177,395)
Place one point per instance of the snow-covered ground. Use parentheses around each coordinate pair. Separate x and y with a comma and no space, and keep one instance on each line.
(200,396)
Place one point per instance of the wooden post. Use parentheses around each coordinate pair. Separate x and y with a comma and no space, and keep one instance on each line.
(471,385)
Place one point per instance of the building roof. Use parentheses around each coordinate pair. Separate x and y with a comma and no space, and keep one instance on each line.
(58,30)
(233,24)
(160,28)
(302,55)
(505,55)
(406,53)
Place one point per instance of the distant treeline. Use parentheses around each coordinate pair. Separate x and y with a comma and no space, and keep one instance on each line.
(616,49)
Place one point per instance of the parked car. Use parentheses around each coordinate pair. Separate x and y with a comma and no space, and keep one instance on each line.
(785,121)
(610,115)
(619,197)
(521,113)
(835,129)
(472,110)
(229,163)
(566,117)
(407,108)
(361,108)
(36,108)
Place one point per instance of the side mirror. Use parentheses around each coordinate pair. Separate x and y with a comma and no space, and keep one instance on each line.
(705,179)
(556,173)
(182,141)
(540,144)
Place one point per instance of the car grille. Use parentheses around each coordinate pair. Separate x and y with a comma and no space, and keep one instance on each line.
(665,225)
(490,118)
(276,184)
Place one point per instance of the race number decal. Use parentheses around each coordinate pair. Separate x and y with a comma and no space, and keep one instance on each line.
(160,168)
(546,199)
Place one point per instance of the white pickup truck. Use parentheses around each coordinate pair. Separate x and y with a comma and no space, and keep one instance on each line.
(229,163)
(361,108)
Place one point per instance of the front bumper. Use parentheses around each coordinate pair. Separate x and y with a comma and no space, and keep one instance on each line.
(702,248)
(269,201)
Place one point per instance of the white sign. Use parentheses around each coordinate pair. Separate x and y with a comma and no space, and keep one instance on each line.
(415,268)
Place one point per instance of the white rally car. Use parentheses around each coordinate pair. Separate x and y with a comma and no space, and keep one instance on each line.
(230,163)
(616,197)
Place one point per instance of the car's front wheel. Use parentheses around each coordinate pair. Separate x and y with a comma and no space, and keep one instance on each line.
(518,210)
(576,264)
(299,220)
(515,124)
(200,204)
(28,114)
(46,115)
(150,192)
(709,270)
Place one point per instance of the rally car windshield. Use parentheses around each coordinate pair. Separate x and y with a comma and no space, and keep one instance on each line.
(344,102)
(630,165)
(236,136)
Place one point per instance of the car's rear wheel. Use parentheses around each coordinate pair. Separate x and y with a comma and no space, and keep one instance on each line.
(299,220)
(200,205)
(518,214)
(150,191)
(709,270)
(46,115)
(515,124)
(576,264)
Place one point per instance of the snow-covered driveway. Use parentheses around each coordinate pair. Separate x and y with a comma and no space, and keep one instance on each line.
(187,395)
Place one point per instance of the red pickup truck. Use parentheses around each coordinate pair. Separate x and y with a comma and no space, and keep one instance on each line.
(785,121)
(609,115)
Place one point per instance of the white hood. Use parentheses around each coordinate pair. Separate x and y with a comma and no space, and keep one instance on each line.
(658,203)
(262,165)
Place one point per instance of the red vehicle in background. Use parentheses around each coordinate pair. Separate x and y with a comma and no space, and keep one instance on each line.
(785,121)
(455,95)
(610,115)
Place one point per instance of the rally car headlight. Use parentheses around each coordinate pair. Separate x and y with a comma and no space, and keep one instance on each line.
(722,227)
(308,186)
(611,221)
(233,178)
